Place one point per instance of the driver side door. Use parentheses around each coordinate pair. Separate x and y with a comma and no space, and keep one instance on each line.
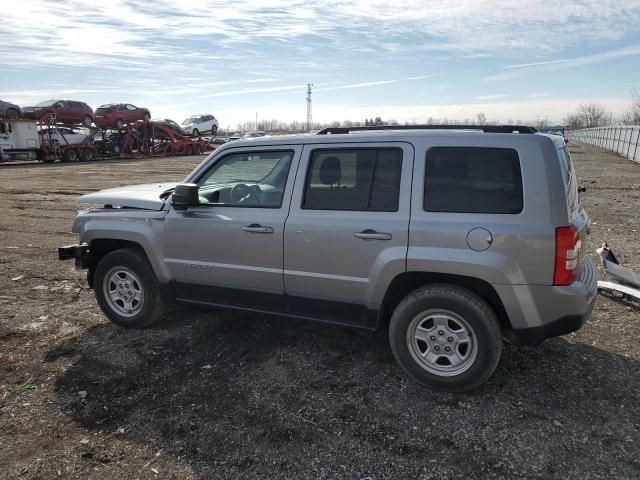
(228,251)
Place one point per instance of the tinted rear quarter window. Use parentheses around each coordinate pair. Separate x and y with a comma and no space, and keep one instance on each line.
(366,179)
(570,180)
(473,180)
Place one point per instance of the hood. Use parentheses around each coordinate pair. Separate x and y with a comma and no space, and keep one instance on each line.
(146,196)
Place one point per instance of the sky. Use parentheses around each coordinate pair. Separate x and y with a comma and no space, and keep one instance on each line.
(407,60)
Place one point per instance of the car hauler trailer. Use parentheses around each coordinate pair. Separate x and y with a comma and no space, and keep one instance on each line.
(45,140)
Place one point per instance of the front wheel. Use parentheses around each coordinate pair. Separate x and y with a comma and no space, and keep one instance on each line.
(127,289)
(195,133)
(446,337)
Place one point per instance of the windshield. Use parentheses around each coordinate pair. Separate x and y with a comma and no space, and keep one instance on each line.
(46,103)
(190,120)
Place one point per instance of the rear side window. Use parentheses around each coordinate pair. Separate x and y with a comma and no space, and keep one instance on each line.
(473,180)
(570,181)
(354,179)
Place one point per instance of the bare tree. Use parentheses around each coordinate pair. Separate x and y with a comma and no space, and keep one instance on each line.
(541,123)
(481,118)
(573,121)
(593,115)
(587,115)
(632,117)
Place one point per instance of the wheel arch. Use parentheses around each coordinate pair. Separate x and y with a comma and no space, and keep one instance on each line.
(406,282)
(100,247)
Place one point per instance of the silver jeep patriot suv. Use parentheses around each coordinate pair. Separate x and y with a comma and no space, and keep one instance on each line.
(444,237)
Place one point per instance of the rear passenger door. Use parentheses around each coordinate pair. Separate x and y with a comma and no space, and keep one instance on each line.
(347,231)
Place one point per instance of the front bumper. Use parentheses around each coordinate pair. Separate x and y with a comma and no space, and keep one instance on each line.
(79,252)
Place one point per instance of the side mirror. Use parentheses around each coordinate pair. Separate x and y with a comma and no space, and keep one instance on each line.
(185,195)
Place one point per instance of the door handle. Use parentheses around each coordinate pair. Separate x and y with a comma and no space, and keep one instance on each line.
(257,228)
(370,234)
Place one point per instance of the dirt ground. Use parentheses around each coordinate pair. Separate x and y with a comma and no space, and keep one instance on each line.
(226,395)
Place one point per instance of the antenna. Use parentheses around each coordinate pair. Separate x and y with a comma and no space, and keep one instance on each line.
(309,116)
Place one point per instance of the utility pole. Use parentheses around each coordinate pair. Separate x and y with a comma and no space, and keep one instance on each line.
(256,121)
(309,117)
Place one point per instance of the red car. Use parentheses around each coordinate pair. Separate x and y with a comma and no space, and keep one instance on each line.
(66,111)
(119,114)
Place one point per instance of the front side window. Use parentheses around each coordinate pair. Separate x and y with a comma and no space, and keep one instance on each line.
(131,107)
(366,179)
(473,180)
(248,179)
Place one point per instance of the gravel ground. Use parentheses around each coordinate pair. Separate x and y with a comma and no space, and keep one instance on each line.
(227,395)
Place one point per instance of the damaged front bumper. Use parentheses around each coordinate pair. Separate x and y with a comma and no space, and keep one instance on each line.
(626,284)
(79,252)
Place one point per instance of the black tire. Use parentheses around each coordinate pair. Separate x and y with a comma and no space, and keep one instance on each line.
(133,260)
(214,130)
(188,150)
(465,305)
(70,155)
(195,133)
(87,121)
(88,154)
(146,117)
(120,124)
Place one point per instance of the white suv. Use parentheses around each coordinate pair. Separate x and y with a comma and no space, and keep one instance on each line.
(198,124)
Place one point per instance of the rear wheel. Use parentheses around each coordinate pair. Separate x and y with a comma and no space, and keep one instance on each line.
(446,337)
(127,289)
(87,121)
(70,155)
(196,132)
(214,130)
(188,150)
(120,124)
(88,154)
(146,117)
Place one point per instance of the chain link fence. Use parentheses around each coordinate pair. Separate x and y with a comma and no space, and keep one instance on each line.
(623,139)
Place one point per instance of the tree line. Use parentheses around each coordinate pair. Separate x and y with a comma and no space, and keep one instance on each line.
(586,115)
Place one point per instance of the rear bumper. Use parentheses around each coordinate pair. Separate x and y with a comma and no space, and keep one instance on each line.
(78,252)
(556,328)
(538,312)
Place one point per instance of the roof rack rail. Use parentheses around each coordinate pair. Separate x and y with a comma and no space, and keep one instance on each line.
(484,128)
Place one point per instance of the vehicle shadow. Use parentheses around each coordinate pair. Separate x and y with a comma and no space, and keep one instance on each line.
(243,396)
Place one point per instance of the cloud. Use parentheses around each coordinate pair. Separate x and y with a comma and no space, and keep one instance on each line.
(493,96)
(151,31)
(420,77)
(358,85)
(582,60)
(184,53)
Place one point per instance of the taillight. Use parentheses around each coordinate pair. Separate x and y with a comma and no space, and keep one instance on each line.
(567,252)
